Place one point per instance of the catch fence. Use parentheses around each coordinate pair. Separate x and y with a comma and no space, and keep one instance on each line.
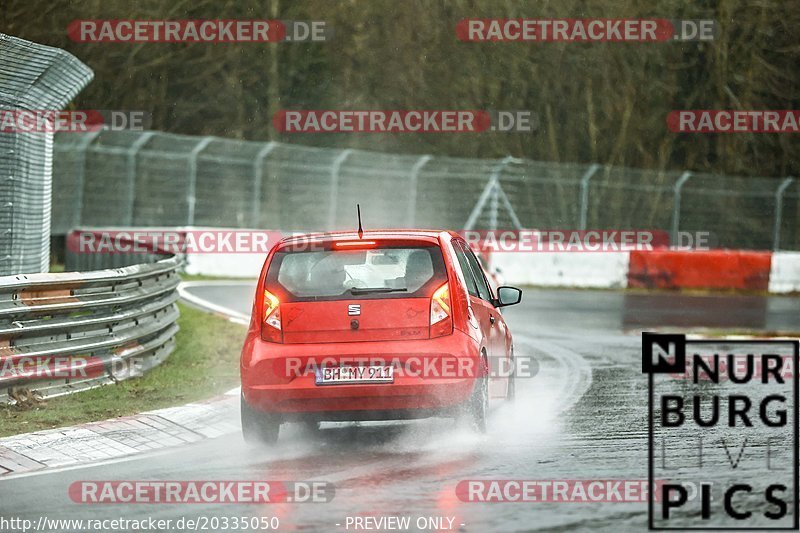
(128,178)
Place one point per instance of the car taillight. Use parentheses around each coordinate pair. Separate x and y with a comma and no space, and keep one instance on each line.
(271,325)
(441,317)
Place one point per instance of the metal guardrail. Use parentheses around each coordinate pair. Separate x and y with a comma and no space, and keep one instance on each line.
(77,261)
(108,324)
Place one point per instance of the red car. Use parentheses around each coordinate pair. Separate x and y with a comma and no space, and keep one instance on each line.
(375,326)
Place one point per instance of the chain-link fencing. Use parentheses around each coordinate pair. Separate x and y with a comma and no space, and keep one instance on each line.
(126,178)
(33,78)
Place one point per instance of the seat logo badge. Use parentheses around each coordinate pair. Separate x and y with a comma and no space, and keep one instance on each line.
(354,309)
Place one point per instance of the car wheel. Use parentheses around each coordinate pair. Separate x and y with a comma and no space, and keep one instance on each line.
(478,405)
(511,391)
(257,427)
(512,388)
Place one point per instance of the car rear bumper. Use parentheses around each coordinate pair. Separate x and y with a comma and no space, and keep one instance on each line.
(280,379)
(371,415)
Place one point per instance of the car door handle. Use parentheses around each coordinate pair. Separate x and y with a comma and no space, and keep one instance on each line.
(491,319)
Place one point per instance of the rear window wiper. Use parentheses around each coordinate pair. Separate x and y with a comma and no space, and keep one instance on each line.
(369,290)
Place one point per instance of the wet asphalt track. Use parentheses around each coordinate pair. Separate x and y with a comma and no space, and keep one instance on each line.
(582,417)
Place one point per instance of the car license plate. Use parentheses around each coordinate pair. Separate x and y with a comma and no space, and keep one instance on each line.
(340,375)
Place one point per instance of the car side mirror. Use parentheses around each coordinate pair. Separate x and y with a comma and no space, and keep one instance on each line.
(508,296)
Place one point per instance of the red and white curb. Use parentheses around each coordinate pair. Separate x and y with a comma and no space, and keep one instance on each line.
(119,437)
(775,272)
(115,438)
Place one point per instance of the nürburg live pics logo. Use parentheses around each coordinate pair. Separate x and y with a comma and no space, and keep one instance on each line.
(723,433)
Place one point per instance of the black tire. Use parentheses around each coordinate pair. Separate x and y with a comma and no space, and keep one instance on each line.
(477,407)
(511,392)
(258,427)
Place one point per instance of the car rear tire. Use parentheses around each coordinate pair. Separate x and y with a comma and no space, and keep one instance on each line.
(477,407)
(258,427)
(511,391)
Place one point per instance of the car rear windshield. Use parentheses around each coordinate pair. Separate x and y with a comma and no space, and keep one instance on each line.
(382,272)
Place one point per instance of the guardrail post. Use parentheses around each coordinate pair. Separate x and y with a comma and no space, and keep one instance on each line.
(191,193)
(334,193)
(83,147)
(676,205)
(776,232)
(258,176)
(585,194)
(133,151)
(412,198)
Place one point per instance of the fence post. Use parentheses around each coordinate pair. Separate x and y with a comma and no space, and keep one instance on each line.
(87,139)
(776,233)
(476,211)
(493,207)
(191,194)
(133,151)
(514,219)
(676,205)
(337,163)
(258,176)
(489,193)
(585,194)
(412,198)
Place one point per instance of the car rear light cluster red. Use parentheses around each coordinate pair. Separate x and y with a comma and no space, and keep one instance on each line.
(441,312)
(271,326)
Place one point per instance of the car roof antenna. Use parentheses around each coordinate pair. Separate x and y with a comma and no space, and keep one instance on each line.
(360,230)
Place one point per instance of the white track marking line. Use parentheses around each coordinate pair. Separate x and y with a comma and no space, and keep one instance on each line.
(574,375)
(233,316)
